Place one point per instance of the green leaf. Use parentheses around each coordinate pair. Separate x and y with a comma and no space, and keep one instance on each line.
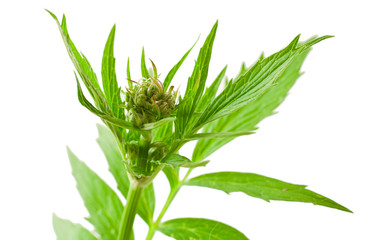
(163,132)
(176,160)
(199,229)
(108,72)
(216,135)
(172,174)
(247,87)
(195,86)
(262,187)
(144,70)
(167,81)
(153,125)
(112,153)
(210,92)
(117,167)
(247,118)
(130,85)
(66,230)
(82,66)
(101,201)
(113,120)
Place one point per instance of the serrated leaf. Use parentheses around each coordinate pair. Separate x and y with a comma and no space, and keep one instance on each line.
(199,229)
(247,87)
(82,66)
(247,118)
(102,203)
(262,187)
(167,81)
(113,120)
(144,70)
(200,136)
(176,160)
(108,72)
(117,167)
(195,86)
(66,230)
(210,92)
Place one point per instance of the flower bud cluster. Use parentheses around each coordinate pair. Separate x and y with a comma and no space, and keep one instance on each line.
(148,102)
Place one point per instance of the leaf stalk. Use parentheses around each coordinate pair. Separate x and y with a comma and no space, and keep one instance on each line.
(171,196)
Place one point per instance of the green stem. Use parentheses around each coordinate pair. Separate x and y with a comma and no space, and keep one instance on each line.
(170,198)
(129,212)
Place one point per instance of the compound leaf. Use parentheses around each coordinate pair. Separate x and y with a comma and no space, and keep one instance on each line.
(247,87)
(247,117)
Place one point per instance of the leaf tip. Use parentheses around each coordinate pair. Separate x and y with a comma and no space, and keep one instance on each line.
(52,14)
(69,151)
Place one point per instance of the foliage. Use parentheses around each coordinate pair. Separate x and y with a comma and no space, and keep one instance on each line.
(148,123)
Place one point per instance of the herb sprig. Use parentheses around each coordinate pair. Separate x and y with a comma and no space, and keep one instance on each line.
(147,123)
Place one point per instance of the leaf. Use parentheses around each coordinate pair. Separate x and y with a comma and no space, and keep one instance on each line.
(199,229)
(195,86)
(153,125)
(101,201)
(117,167)
(172,174)
(144,70)
(114,158)
(210,92)
(247,118)
(82,66)
(163,132)
(262,187)
(167,81)
(66,230)
(113,120)
(176,160)
(253,83)
(216,135)
(108,72)
(130,85)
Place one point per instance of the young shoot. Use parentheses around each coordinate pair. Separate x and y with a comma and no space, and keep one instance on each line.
(147,123)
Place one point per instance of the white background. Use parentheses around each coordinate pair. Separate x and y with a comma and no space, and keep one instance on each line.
(320,136)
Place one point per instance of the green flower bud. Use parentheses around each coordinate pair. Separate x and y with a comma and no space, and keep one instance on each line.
(148,102)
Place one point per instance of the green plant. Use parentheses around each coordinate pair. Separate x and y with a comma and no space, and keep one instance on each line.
(148,123)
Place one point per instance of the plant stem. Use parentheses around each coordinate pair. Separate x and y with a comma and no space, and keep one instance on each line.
(129,212)
(169,200)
